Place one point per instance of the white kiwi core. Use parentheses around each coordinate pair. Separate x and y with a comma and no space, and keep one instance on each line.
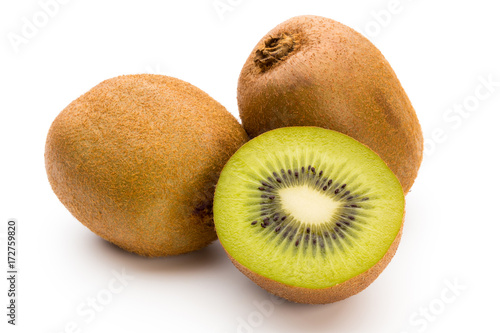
(307,204)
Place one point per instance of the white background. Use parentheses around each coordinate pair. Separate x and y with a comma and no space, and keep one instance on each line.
(442,51)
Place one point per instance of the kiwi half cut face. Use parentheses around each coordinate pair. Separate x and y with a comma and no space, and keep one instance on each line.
(309,214)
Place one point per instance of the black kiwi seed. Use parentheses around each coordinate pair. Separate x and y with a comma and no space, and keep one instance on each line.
(254,222)
(321,242)
(346,193)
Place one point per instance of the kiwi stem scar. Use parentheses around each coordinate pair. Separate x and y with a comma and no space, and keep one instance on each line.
(274,50)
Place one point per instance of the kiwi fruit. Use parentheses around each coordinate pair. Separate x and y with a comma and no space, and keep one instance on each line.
(136,160)
(309,214)
(314,71)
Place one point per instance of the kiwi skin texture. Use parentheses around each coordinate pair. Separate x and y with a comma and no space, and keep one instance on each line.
(136,160)
(334,78)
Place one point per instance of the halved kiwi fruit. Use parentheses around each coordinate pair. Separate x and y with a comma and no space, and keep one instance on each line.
(314,71)
(309,214)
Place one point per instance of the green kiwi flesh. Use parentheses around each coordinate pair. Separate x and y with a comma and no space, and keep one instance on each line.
(309,209)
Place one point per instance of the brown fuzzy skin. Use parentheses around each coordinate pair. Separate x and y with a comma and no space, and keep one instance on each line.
(334,78)
(136,160)
(326,295)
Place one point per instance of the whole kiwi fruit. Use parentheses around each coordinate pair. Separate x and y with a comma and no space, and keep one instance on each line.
(314,71)
(309,214)
(136,160)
